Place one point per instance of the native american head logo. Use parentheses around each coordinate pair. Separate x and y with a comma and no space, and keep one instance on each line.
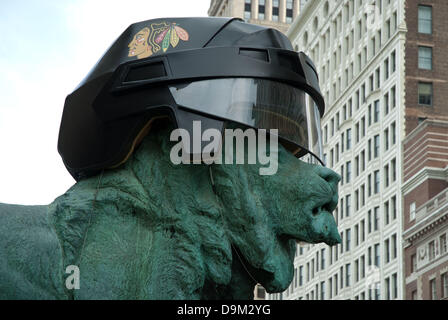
(158,36)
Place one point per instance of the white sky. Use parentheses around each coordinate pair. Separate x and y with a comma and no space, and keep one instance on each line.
(46,48)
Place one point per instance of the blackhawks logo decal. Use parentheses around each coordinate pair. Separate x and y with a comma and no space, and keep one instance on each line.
(159,36)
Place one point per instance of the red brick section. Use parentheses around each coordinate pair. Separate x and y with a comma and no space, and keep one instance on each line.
(438,75)
(420,195)
(434,273)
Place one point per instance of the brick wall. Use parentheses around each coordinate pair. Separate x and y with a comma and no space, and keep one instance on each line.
(438,40)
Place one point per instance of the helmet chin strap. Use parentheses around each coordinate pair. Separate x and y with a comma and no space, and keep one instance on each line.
(231,244)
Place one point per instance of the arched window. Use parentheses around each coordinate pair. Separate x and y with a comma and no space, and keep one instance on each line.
(326,9)
(315,24)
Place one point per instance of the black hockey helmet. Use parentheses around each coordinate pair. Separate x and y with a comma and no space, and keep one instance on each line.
(208,69)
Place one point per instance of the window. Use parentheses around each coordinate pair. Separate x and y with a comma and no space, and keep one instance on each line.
(307,271)
(357,133)
(363,126)
(363,160)
(275,10)
(341,276)
(393,61)
(363,262)
(376,111)
(393,97)
(442,243)
(322,258)
(337,121)
(444,279)
(386,69)
(288,11)
(357,166)
(349,138)
(378,78)
(363,234)
(377,255)
(322,290)
(394,169)
(394,245)
(300,276)
(347,239)
(413,263)
(363,195)
(388,29)
(336,285)
(376,181)
(347,274)
(357,100)
(347,205)
(348,171)
(386,212)
(433,289)
(376,218)
(394,286)
(376,146)
(386,103)
(425,58)
(386,175)
(394,207)
(432,250)
(386,251)
(412,211)
(350,107)
(261,9)
(425,19)
(393,132)
(387,288)
(356,200)
(369,185)
(312,268)
(247,9)
(386,139)
(363,93)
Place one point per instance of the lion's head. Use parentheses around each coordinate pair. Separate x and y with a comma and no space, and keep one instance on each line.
(213,241)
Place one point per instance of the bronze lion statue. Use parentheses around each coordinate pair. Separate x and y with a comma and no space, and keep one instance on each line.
(150,229)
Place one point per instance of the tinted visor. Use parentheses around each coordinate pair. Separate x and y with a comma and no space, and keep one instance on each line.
(261,104)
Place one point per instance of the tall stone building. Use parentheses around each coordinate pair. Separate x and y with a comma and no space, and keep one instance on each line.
(382,73)
(277,14)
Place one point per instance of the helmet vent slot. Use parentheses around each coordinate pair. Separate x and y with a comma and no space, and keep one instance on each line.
(146,71)
(255,54)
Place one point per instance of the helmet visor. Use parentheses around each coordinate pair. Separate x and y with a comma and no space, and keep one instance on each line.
(261,104)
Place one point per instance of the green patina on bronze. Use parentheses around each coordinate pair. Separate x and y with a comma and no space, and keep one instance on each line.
(158,230)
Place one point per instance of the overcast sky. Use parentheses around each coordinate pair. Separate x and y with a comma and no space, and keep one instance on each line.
(46,48)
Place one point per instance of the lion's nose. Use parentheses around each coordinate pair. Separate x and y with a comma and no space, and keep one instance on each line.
(328,175)
(333,179)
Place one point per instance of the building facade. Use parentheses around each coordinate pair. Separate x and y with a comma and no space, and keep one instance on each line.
(380,75)
(277,14)
(425,214)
